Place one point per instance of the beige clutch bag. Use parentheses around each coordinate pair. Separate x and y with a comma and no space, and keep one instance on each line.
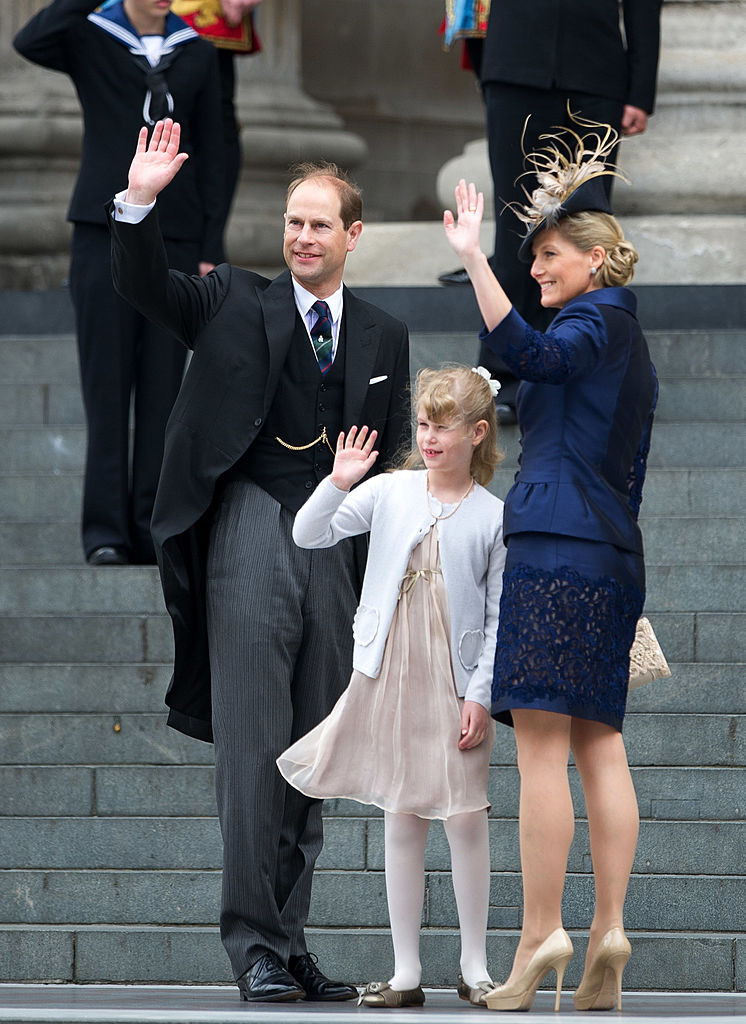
(646,659)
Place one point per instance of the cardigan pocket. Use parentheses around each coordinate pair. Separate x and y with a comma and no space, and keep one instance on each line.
(365,625)
(470,647)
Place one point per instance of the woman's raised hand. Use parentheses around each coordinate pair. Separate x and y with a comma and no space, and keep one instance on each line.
(354,457)
(462,231)
(155,163)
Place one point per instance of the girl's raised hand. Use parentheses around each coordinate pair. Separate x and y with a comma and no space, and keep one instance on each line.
(462,231)
(354,457)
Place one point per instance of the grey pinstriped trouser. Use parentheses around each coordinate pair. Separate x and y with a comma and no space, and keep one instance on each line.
(280,638)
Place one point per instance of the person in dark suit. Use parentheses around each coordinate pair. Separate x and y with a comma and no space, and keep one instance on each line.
(130,63)
(263,629)
(542,61)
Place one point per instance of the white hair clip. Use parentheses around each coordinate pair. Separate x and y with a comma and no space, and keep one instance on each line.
(484,372)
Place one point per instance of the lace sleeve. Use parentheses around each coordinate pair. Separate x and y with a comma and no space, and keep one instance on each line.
(636,475)
(570,347)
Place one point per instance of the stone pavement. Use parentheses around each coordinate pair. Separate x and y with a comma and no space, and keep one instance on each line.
(137,1004)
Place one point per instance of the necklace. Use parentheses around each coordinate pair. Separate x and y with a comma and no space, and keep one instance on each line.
(453,511)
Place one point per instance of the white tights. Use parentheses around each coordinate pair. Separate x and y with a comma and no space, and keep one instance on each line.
(405,836)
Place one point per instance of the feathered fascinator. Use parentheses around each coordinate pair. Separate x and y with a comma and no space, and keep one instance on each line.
(569,172)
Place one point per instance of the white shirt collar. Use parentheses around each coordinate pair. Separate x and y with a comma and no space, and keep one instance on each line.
(305,299)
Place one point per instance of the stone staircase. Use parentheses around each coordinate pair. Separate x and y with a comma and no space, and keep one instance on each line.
(109,845)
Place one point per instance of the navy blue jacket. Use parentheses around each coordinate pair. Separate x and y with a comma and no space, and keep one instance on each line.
(585,408)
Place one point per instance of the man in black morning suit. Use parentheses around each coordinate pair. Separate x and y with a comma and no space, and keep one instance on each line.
(131,63)
(263,629)
(540,57)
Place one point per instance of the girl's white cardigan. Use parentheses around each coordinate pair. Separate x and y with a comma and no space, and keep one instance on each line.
(394,508)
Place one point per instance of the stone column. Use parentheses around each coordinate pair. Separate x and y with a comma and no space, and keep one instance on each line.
(281,125)
(40,130)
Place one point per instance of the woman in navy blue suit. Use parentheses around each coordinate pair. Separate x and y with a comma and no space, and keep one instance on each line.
(574,582)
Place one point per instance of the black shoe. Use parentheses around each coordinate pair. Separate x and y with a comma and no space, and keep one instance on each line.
(267,981)
(317,986)
(506,415)
(108,554)
(454,277)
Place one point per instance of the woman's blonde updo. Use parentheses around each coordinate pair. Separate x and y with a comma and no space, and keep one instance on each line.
(458,393)
(590,228)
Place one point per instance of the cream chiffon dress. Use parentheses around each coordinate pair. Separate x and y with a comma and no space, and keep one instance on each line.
(393,741)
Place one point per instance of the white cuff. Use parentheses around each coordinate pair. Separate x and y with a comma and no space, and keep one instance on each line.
(129,213)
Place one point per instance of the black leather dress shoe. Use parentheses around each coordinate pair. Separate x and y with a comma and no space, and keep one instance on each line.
(317,986)
(109,554)
(506,414)
(454,277)
(267,981)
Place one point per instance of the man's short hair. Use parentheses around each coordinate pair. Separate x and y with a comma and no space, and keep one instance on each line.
(350,194)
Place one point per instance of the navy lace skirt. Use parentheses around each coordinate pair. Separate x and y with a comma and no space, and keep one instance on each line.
(567,621)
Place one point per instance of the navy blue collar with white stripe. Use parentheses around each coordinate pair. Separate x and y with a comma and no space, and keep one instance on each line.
(113,20)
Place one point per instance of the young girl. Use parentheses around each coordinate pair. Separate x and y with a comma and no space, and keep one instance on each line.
(412,733)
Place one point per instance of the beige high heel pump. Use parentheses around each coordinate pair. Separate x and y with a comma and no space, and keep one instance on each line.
(601,987)
(552,955)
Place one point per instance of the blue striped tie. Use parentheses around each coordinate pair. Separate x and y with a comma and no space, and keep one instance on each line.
(321,335)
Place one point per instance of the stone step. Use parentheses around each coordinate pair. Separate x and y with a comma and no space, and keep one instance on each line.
(41,543)
(32,402)
(694,961)
(41,497)
(40,738)
(346,899)
(692,540)
(719,399)
(135,590)
(167,791)
(682,354)
(78,687)
(41,359)
(710,636)
(96,638)
(53,358)
(680,445)
(668,539)
(706,636)
(353,845)
(689,491)
(130,590)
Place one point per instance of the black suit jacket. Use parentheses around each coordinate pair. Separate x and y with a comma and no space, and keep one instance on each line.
(576,46)
(111,88)
(239,326)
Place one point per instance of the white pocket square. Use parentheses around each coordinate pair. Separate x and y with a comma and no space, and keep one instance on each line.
(377,380)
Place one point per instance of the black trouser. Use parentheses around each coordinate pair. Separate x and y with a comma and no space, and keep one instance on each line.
(508,106)
(122,356)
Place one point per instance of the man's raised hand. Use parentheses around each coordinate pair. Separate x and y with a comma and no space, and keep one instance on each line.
(155,163)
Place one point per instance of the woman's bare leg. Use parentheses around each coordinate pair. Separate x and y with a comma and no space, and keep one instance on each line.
(546,823)
(613,819)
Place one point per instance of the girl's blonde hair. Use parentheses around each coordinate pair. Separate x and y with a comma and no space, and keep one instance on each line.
(458,393)
(588,228)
